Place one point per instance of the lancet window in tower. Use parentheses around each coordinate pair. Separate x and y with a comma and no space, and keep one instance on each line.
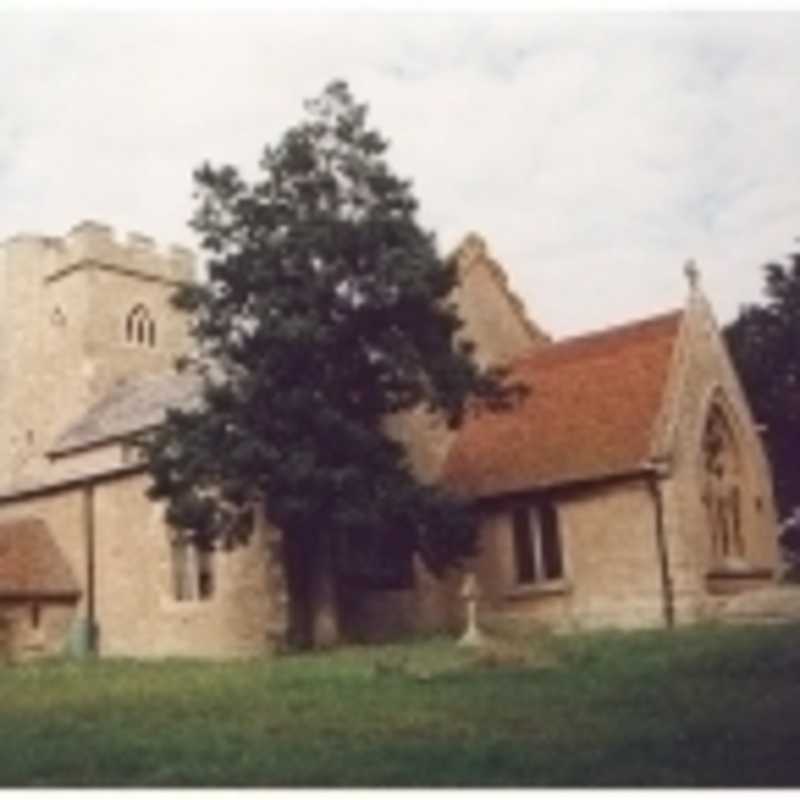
(140,327)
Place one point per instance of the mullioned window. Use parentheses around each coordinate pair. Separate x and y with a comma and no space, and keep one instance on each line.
(140,327)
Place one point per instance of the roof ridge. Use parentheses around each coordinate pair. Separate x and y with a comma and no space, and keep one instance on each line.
(598,335)
(621,327)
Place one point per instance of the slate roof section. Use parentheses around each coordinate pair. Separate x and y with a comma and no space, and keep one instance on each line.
(31,563)
(590,413)
(131,406)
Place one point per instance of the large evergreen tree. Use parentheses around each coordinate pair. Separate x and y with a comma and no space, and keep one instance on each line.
(764,341)
(325,310)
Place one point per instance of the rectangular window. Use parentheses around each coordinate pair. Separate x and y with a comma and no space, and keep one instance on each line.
(192,570)
(181,588)
(537,544)
(205,573)
(524,551)
(552,566)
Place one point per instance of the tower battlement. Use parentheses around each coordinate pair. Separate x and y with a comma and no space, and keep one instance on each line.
(78,313)
(91,243)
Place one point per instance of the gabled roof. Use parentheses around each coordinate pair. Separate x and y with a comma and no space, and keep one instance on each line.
(131,406)
(472,251)
(590,413)
(31,564)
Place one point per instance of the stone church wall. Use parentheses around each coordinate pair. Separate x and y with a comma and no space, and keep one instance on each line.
(34,628)
(612,576)
(496,323)
(137,610)
(62,330)
(135,607)
(610,557)
(494,317)
(703,376)
(63,344)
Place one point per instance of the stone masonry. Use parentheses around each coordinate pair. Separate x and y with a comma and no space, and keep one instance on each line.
(63,309)
(88,339)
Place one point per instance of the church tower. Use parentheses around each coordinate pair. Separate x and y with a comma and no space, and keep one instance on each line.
(77,315)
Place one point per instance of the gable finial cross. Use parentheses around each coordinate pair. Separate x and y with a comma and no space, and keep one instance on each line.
(692,274)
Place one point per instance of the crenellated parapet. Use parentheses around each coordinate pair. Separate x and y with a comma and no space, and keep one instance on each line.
(78,313)
(95,244)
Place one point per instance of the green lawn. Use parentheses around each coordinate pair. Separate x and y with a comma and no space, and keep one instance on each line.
(699,707)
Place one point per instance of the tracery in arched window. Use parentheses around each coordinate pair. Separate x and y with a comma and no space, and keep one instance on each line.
(722,488)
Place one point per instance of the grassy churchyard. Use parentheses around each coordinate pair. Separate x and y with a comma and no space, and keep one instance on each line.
(707,706)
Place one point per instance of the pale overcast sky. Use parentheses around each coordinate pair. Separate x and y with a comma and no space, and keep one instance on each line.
(595,153)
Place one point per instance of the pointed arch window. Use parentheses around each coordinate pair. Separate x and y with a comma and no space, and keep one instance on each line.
(722,487)
(140,327)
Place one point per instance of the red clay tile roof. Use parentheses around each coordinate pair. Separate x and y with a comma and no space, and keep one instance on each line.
(31,564)
(590,413)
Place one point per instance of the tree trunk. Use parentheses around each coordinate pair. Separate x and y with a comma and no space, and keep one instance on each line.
(324,605)
(311,585)
(298,635)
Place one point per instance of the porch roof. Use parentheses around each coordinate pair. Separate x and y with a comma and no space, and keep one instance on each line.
(31,563)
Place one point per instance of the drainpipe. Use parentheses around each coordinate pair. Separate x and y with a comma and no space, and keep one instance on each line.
(661,546)
(88,538)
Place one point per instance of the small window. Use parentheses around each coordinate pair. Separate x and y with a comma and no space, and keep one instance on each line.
(140,328)
(36,615)
(192,569)
(181,585)
(537,544)
(205,573)
(552,567)
(524,551)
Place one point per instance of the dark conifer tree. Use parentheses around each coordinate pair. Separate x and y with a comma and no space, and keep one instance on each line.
(764,341)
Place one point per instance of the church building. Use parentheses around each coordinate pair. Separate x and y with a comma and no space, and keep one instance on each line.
(629,488)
